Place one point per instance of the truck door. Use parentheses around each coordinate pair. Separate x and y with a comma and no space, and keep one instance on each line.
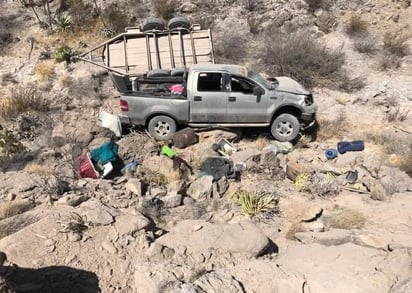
(209,99)
(247,102)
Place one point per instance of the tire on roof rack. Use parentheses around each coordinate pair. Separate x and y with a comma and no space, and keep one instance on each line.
(178,71)
(179,22)
(158,73)
(153,23)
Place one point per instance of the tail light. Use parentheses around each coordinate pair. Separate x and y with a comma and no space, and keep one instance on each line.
(123,106)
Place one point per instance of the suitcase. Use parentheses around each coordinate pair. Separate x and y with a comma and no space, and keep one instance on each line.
(184,138)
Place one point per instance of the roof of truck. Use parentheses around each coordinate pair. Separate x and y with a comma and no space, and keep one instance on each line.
(232,68)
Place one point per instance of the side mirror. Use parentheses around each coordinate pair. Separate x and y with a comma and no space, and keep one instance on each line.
(258,91)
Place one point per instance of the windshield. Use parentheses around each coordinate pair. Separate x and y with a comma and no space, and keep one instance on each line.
(259,79)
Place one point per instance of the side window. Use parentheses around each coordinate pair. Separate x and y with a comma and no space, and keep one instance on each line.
(242,85)
(209,82)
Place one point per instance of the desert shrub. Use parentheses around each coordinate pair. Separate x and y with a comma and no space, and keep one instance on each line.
(115,18)
(316,4)
(164,8)
(44,71)
(63,20)
(9,144)
(63,54)
(36,168)
(231,46)
(348,84)
(365,45)
(395,43)
(251,5)
(82,13)
(12,208)
(301,57)
(396,114)
(346,219)
(318,184)
(255,203)
(23,99)
(331,128)
(355,25)
(254,24)
(389,61)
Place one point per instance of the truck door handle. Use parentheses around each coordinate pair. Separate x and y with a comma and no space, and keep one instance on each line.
(232,99)
(197,98)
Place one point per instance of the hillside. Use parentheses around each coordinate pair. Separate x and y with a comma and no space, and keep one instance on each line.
(158,229)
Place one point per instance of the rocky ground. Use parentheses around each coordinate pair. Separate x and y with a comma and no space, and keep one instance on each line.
(156,230)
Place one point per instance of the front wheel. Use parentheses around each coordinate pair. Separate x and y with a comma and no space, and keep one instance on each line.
(285,127)
(162,127)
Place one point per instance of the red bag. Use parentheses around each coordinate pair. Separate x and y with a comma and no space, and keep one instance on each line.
(85,168)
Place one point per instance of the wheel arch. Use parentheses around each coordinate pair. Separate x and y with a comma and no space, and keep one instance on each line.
(287,109)
(152,115)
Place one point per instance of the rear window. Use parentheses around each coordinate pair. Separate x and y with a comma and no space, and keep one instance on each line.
(209,82)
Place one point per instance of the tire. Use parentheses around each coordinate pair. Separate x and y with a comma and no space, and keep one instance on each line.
(153,23)
(179,22)
(285,127)
(162,127)
(158,73)
(178,72)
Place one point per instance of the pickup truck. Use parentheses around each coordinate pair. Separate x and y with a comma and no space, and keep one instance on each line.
(221,95)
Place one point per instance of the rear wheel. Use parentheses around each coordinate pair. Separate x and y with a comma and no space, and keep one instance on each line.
(179,22)
(153,23)
(162,127)
(285,127)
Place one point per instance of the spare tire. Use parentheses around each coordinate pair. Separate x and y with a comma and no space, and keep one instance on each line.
(178,71)
(153,23)
(179,22)
(158,73)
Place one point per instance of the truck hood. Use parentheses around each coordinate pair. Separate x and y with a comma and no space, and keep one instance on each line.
(289,85)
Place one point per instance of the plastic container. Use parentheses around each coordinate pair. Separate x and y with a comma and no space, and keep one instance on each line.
(331,154)
(350,146)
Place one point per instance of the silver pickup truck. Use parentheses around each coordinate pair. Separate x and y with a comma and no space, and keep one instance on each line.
(222,95)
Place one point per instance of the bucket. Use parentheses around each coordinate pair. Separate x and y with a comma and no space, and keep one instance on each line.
(350,146)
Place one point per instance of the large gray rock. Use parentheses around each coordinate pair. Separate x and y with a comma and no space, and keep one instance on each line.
(160,164)
(96,213)
(128,224)
(135,186)
(198,236)
(201,188)
(72,199)
(172,200)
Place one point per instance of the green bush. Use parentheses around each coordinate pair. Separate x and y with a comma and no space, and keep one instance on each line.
(63,54)
(63,21)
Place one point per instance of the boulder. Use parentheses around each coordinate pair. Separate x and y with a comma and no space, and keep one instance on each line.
(220,187)
(96,213)
(172,200)
(178,186)
(128,224)
(160,164)
(135,186)
(201,188)
(199,236)
(72,200)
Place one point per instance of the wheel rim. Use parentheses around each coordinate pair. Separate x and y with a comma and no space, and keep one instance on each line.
(162,128)
(284,128)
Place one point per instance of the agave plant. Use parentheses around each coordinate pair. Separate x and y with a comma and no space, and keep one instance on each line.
(63,21)
(254,203)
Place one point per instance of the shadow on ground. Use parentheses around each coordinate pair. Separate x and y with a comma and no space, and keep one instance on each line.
(51,279)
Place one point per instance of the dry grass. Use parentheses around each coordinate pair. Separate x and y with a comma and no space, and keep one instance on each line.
(22,99)
(355,25)
(164,8)
(293,230)
(395,43)
(44,71)
(365,45)
(302,57)
(173,176)
(332,128)
(12,208)
(347,219)
(396,114)
(35,168)
(261,142)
